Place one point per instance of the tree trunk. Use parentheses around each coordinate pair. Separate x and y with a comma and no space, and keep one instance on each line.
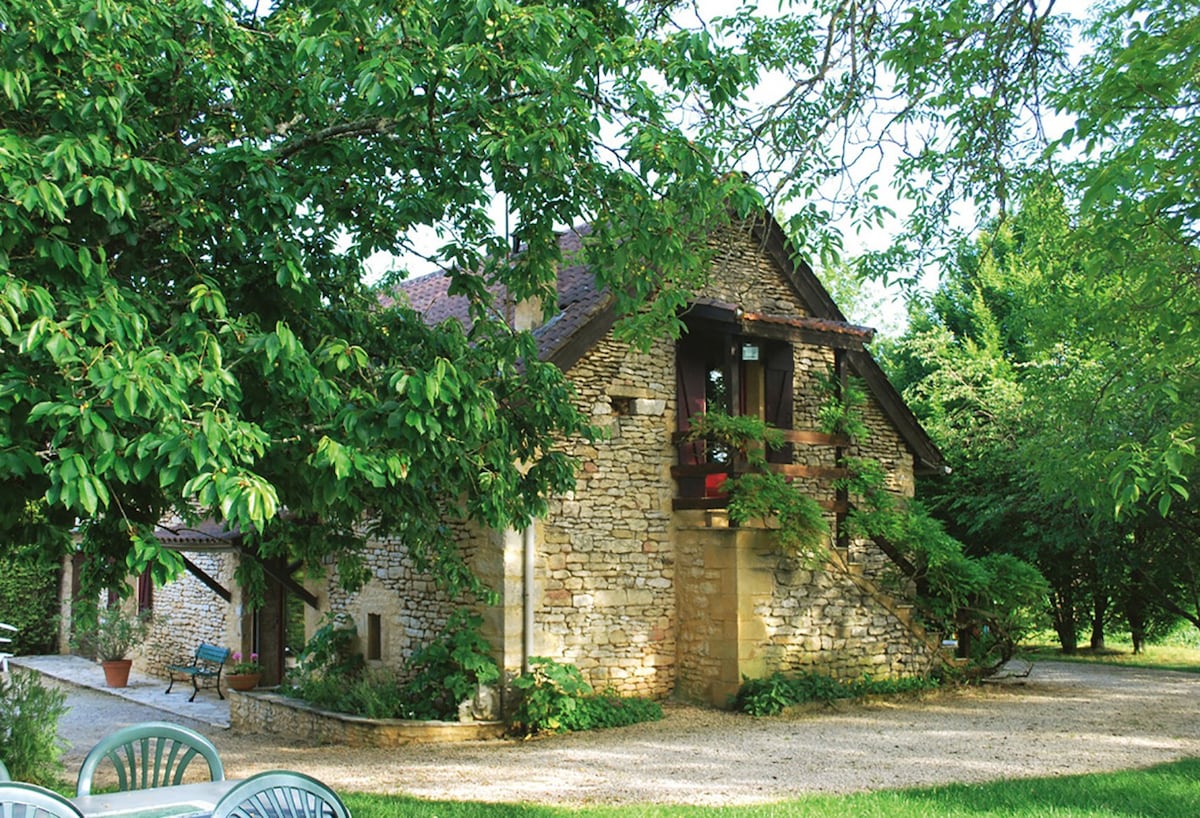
(1135,612)
(1099,612)
(1064,619)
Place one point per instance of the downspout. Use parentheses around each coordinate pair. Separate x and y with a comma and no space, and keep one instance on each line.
(529,549)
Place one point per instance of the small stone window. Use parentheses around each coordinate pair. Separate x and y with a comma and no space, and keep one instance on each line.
(622,405)
(374,637)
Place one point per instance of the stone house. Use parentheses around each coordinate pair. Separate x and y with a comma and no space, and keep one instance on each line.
(636,576)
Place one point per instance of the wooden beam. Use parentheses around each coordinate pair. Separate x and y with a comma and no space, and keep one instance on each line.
(814,438)
(699,503)
(800,470)
(706,503)
(802,436)
(786,469)
(701,469)
(286,581)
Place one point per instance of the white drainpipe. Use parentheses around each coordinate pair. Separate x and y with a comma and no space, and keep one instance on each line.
(530,543)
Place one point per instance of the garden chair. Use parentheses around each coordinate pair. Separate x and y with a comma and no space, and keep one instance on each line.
(32,801)
(280,794)
(5,654)
(150,754)
(4,776)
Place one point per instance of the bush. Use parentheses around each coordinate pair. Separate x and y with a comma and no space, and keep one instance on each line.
(29,714)
(555,698)
(332,676)
(328,668)
(610,710)
(449,669)
(29,601)
(771,695)
(330,651)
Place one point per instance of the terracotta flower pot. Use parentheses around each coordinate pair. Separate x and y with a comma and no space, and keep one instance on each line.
(116,672)
(242,681)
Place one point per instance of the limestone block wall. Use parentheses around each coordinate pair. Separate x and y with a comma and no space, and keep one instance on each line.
(256,713)
(819,618)
(187,612)
(409,607)
(640,599)
(744,274)
(884,444)
(606,560)
(748,610)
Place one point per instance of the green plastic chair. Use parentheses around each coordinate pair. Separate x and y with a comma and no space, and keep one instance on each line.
(150,754)
(32,801)
(280,794)
(4,776)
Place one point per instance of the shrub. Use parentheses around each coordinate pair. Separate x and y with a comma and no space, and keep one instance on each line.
(610,710)
(771,695)
(555,697)
(332,676)
(29,714)
(330,651)
(328,666)
(449,669)
(29,601)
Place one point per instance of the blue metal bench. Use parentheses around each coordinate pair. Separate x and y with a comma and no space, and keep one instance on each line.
(207,663)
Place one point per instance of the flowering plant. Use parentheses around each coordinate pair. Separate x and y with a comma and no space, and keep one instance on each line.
(250,665)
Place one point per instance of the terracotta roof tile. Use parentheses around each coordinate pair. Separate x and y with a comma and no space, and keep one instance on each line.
(578,297)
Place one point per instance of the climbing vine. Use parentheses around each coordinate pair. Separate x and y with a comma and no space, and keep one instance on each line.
(990,601)
(841,412)
(755,492)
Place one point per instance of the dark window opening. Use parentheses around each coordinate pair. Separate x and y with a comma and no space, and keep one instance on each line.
(374,637)
(734,374)
(145,591)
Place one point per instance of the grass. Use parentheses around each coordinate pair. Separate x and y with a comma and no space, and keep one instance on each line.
(1179,651)
(1164,791)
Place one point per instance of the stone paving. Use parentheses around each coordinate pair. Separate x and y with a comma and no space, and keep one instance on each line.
(207,709)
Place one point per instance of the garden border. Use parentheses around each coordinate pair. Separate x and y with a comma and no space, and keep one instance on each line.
(261,712)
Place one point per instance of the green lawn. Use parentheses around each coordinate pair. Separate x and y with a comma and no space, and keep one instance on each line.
(1164,791)
(1175,654)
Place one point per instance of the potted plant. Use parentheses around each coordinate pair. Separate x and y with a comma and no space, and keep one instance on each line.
(108,635)
(245,673)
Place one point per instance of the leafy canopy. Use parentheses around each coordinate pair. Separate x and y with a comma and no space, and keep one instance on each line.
(189,191)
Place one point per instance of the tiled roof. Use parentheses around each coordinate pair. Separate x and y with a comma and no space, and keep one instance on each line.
(584,314)
(829,326)
(205,534)
(579,300)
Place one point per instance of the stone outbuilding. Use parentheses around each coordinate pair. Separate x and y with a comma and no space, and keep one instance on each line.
(636,576)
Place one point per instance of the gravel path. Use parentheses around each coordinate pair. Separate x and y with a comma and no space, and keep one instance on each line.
(1063,719)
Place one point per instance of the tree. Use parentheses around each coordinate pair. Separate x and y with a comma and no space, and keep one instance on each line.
(189,190)
(1030,383)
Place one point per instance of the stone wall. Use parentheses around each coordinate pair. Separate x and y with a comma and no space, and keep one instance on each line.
(884,444)
(743,274)
(747,610)
(411,609)
(187,612)
(255,713)
(607,565)
(625,581)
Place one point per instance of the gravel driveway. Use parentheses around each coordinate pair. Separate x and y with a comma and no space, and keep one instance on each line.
(1064,718)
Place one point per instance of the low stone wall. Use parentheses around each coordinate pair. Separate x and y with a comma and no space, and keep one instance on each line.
(258,712)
